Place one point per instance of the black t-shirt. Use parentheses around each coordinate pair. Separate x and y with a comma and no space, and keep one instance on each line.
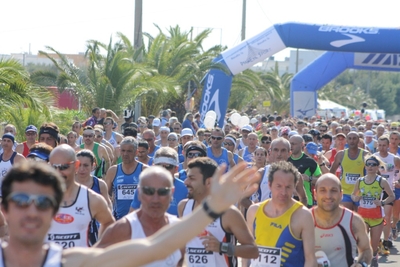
(305,165)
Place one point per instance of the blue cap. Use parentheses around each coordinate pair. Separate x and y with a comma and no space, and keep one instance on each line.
(39,154)
(312,148)
(9,136)
(31,128)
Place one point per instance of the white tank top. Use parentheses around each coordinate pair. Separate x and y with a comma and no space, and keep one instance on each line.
(137,232)
(69,227)
(338,242)
(53,256)
(5,166)
(263,192)
(389,172)
(197,256)
(112,140)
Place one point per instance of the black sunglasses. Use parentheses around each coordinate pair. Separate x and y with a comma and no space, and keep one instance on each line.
(228,144)
(23,200)
(191,155)
(171,140)
(163,191)
(88,135)
(167,166)
(266,142)
(219,138)
(371,164)
(62,167)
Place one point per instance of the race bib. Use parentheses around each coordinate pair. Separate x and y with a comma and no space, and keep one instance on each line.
(267,257)
(65,240)
(351,178)
(367,202)
(199,257)
(126,191)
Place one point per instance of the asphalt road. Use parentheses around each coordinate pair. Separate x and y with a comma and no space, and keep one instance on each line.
(393,260)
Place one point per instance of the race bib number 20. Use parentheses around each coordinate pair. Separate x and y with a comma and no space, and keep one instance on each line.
(268,257)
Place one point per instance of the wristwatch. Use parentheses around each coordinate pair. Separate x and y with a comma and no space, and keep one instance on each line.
(322,164)
(224,247)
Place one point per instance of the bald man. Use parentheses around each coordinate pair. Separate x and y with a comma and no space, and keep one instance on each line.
(79,205)
(339,232)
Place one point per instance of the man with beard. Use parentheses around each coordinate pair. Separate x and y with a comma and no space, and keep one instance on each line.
(339,232)
(216,246)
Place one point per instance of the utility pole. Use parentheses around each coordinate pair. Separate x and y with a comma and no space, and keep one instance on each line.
(137,43)
(244,20)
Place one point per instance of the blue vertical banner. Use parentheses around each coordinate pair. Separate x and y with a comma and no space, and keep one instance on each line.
(216,92)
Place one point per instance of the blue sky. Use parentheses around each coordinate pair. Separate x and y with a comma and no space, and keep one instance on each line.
(67,25)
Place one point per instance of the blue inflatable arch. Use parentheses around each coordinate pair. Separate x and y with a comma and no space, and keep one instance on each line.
(217,84)
(304,86)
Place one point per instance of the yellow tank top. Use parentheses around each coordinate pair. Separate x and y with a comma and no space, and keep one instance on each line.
(276,233)
(369,193)
(352,169)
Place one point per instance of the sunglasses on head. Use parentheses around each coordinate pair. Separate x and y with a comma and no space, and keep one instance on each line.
(24,200)
(62,167)
(166,166)
(371,164)
(191,155)
(163,191)
(219,138)
(228,144)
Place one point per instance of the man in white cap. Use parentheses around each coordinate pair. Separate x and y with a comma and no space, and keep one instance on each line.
(31,134)
(243,142)
(163,140)
(156,128)
(370,142)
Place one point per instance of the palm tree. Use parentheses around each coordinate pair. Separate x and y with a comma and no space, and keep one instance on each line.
(18,93)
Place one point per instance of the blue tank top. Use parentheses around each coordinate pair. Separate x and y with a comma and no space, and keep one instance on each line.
(124,188)
(94,225)
(221,159)
(96,186)
(151,155)
(182,175)
(180,155)
(236,158)
(247,156)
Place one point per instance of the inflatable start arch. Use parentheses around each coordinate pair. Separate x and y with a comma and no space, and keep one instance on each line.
(376,42)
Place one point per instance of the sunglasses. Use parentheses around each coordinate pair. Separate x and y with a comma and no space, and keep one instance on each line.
(171,140)
(177,128)
(88,135)
(107,123)
(207,135)
(23,200)
(98,136)
(166,166)
(163,191)
(30,133)
(228,144)
(393,129)
(290,125)
(194,155)
(266,142)
(62,167)
(371,164)
(219,138)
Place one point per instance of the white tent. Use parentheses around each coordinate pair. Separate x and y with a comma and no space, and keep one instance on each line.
(327,109)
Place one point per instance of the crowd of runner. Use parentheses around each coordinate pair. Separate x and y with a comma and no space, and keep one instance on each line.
(328,190)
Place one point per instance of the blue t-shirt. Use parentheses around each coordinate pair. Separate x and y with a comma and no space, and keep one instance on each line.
(180,193)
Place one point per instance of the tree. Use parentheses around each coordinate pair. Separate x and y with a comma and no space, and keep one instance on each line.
(18,93)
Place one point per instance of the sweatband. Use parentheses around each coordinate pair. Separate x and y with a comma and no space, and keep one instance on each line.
(49,131)
(165,160)
(191,148)
(9,136)
(231,139)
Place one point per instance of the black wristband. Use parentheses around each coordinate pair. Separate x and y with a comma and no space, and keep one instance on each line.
(209,212)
